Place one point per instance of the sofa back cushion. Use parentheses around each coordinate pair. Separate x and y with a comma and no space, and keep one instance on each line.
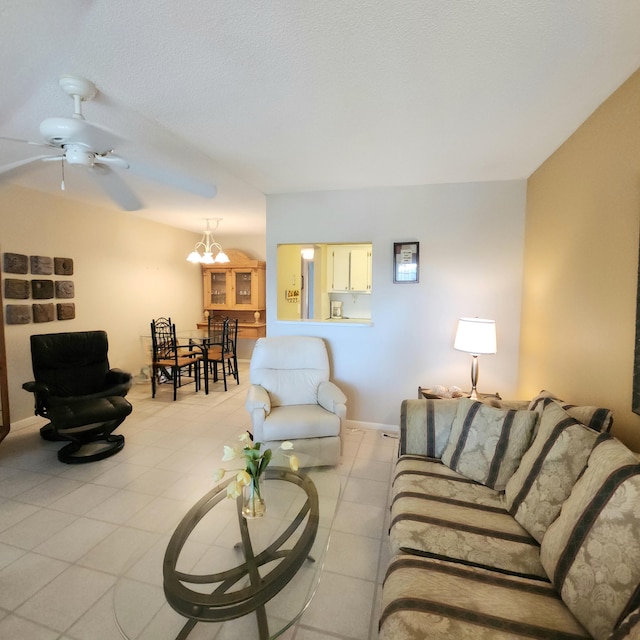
(290,368)
(486,444)
(425,426)
(591,552)
(535,492)
(596,418)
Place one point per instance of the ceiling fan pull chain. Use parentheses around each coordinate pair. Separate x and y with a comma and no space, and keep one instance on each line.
(62,165)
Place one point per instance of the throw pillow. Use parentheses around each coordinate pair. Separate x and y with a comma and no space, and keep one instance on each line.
(549,469)
(592,550)
(595,418)
(486,444)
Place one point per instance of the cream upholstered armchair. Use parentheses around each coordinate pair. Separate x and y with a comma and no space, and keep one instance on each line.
(291,398)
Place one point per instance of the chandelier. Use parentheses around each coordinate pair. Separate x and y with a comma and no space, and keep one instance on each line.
(207,246)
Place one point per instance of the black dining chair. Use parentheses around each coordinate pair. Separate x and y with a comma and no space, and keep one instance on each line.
(170,359)
(216,346)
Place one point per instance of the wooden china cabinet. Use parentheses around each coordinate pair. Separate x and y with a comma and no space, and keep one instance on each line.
(236,289)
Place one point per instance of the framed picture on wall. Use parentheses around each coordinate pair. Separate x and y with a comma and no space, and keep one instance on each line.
(406,266)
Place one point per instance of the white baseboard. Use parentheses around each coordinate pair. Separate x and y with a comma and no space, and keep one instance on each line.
(375,426)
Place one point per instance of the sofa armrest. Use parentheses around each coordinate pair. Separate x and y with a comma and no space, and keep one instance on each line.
(331,398)
(425,426)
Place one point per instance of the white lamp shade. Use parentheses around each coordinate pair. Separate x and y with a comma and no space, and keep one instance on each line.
(476,336)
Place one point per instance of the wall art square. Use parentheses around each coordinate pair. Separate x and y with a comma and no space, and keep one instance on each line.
(66,310)
(18,314)
(64,289)
(41,265)
(63,266)
(41,289)
(15,263)
(16,289)
(43,312)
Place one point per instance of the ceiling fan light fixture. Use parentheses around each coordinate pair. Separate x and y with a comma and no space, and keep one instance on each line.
(207,245)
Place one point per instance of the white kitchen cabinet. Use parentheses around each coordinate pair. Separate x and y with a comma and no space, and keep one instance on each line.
(349,268)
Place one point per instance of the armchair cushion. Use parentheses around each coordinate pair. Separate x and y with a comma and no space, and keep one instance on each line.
(301,421)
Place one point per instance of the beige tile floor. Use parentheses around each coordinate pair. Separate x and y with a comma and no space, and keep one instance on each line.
(65,529)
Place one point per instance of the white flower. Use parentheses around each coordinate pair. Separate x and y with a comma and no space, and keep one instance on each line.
(234,489)
(243,477)
(231,453)
(246,440)
(218,474)
(286,445)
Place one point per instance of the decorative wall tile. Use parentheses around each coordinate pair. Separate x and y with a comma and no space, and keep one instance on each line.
(15,263)
(43,312)
(41,265)
(18,314)
(64,289)
(16,289)
(63,266)
(66,310)
(41,289)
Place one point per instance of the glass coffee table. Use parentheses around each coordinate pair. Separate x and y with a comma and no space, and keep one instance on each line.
(227,577)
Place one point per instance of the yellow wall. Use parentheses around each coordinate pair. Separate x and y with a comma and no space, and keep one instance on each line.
(289,270)
(581,265)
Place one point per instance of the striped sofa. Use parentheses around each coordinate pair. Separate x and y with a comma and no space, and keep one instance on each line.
(514,521)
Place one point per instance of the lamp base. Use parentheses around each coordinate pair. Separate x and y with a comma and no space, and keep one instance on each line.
(474,377)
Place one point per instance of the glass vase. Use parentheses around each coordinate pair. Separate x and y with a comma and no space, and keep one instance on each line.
(253,505)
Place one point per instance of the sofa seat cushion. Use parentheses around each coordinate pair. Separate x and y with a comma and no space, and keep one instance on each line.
(440,600)
(486,444)
(592,550)
(549,469)
(437,512)
(300,421)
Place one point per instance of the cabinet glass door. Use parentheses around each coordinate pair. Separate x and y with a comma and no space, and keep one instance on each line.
(243,287)
(218,288)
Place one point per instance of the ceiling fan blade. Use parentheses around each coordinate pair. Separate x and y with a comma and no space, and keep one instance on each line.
(36,144)
(7,169)
(172,179)
(115,187)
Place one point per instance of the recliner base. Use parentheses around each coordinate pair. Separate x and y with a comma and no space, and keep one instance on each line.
(81,452)
(92,441)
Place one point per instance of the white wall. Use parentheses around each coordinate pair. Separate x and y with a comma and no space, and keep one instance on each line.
(471,244)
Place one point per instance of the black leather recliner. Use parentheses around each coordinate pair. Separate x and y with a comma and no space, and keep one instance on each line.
(79,393)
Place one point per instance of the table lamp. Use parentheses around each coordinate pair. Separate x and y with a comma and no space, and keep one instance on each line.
(475,336)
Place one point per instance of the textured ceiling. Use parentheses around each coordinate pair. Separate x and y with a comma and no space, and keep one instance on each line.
(268,96)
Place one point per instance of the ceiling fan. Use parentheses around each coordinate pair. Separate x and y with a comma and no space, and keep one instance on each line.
(76,141)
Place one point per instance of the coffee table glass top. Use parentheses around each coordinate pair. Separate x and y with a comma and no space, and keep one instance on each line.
(205,570)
